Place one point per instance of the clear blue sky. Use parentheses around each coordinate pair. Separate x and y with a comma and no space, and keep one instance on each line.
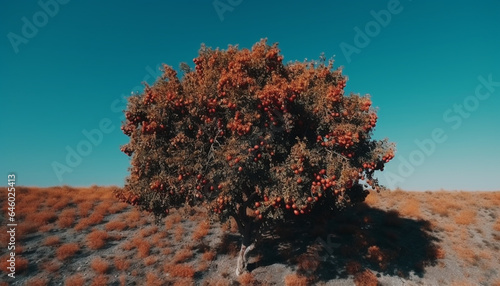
(70,73)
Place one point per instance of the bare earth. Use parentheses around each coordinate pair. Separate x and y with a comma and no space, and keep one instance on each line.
(70,236)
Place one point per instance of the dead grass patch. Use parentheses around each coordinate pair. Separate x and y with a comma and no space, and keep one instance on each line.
(67,250)
(75,280)
(153,280)
(179,233)
(201,230)
(172,220)
(115,225)
(143,247)
(21,264)
(410,208)
(101,280)
(99,265)
(496,226)
(372,199)
(26,228)
(44,217)
(61,203)
(121,263)
(179,270)
(84,208)
(52,240)
(365,278)
(182,255)
(466,217)
(51,266)
(208,255)
(97,239)
(148,231)
(295,280)
(66,218)
(246,279)
(150,260)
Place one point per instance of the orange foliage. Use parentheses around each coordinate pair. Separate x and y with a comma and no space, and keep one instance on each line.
(497,225)
(67,250)
(75,280)
(208,255)
(201,231)
(150,260)
(179,270)
(365,278)
(100,280)
(179,232)
(100,265)
(410,208)
(115,225)
(182,255)
(246,279)
(44,217)
(121,263)
(66,218)
(295,280)
(145,232)
(153,280)
(51,266)
(21,263)
(97,239)
(465,217)
(143,247)
(51,240)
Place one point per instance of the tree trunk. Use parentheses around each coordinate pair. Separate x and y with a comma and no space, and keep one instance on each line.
(245,226)
(241,265)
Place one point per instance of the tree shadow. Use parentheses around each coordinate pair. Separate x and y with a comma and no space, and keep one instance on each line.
(329,247)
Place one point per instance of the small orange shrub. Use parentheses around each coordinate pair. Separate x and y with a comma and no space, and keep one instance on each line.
(143,247)
(182,255)
(121,263)
(66,218)
(67,250)
(365,278)
(153,280)
(172,220)
(85,207)
(51,266)
(246,279)
(97,239)
(100,265)
(179,270)
(145,232)
(208,255)
(295,280)
(466,217)
(51,240)
(21,264)
(410,208)
(115,225)
(497,225)
(75,280)
(150,260)
(100,280)
(43,217)
(179,233)
(201,231)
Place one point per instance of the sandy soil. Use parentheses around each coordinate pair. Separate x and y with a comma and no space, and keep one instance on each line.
(70,236)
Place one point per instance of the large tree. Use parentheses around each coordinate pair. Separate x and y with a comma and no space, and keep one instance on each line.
(251,138)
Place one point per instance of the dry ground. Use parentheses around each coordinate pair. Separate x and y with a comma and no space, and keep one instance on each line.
(70,236)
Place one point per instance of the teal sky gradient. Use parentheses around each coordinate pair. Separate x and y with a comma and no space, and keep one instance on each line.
(74,71)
